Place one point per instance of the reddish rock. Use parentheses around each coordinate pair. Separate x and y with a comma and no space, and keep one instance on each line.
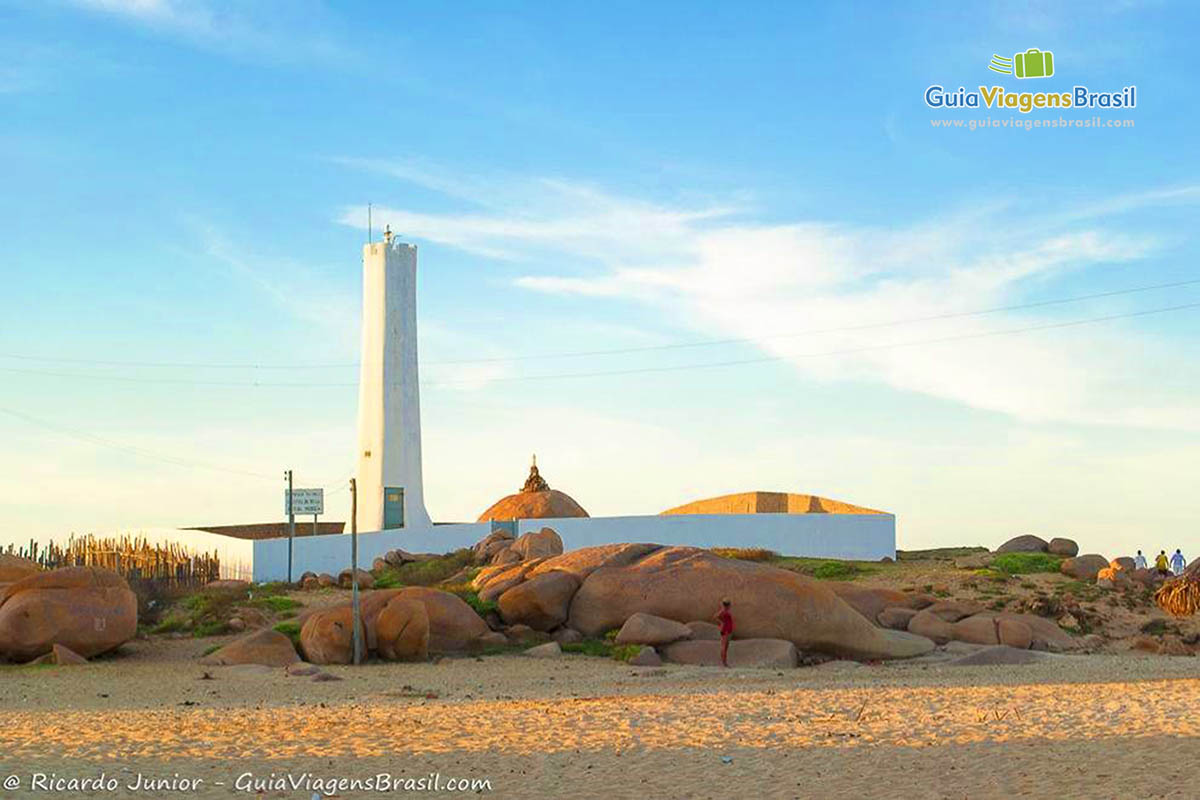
(896,618)
(931,626)
(543,544)
(703,630)
(683,583)
(871,601)
(85,609)
(1063,547)
(1083,568)
(542,602)
(953,610)
(646,657)
(649,629)
(757,653)
(1027,543)
(268,647)
(402,630)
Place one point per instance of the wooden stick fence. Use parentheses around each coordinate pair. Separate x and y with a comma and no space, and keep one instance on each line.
(132,557)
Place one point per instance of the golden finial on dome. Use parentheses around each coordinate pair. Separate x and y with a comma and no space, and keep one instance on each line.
(535,482)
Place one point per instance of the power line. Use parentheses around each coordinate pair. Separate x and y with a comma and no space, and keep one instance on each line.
(132,449)
(615,350)
(635,371)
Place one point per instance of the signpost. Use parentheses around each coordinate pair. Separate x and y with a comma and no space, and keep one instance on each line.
(300,501)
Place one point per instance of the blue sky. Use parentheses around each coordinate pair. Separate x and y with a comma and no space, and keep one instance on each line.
(186,183)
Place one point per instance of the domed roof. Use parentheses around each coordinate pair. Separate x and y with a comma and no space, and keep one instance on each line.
(536,500)
(769,503)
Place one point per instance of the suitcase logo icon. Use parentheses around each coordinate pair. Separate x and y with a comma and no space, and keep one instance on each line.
(1033,63)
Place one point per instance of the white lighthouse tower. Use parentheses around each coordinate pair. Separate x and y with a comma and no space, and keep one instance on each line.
(388,480)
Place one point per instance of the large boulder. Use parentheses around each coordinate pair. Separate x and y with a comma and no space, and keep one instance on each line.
(953,610)
(86,609)
(988,629)
(870,601)
(365,579)
(583,562)
(684,584)
(1124,562)
(453,625)
(402,630)
(757,653)
(1083,568)
(1045,634)
(1059,546)
(543,544)
(327,636)
(268,647)
(649,629)
(896,618)
(1027,543)
(14,568)
(929,625)
(703,630)
(542,602)
(487,547)
(499,579)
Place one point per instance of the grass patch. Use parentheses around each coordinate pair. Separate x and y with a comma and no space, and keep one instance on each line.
(276,603)
(938,553)
(1026,563)
(170,625)
(828,569)
(291,630)
(208,651)
(746,553)
(426,573)
(589,647)
(471,598)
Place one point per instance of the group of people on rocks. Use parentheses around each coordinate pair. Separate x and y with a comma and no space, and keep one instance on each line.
(1174,565)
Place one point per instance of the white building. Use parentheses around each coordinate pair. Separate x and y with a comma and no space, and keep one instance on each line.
(388,477)
(391,506)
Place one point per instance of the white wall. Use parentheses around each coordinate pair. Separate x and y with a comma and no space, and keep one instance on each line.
(867,537)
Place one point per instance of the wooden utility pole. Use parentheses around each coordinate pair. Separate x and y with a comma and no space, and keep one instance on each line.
(291,524)
(354,570)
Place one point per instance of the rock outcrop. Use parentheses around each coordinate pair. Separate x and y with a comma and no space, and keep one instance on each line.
(649,629)
(685,584)
(1063,547)
(86,609)
(756,653)
(1083,568)
(1028,543)
(267,647)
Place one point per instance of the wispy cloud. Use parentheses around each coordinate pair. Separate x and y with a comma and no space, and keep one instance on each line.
(273,31)
(710,270)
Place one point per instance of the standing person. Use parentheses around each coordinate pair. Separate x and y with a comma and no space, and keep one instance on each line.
(1160,563)
(1178,562)
(726,619)
(1139,561)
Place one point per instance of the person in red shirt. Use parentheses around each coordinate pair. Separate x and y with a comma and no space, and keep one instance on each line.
(726,619)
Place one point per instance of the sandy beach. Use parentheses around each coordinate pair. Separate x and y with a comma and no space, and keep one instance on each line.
(1078,726)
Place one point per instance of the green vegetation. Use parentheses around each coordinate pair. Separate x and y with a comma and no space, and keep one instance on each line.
(276,603)
(938,553)
(746,553)
(589,647)
(471,598)
(604,648)
(208,651)
(1025,563)
(458,565)
(291,630)
(829,570)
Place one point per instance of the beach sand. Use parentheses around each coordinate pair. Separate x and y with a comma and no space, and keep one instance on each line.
(1079,726)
